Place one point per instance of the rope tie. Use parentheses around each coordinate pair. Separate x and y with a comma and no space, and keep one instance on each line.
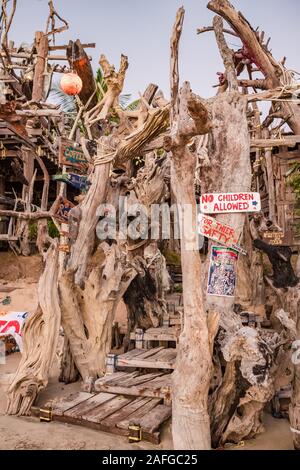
(105,158)
(102,158)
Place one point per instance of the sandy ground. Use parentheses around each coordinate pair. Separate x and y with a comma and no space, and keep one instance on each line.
(19,281)
(29,433)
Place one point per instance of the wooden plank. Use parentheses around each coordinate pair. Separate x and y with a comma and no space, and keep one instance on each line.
(147,353)
(101,412)
(131,354)
(88,405)
(290,141)
(137,356)
(158,334)
(148,364)
(158,382)
(8,238)
(124,382)
(143,378)
(125,412)
(153,420)
(139,414)
(153,385)
(154,390)
(167,355)
(68,402)
(62,47)
(107,379)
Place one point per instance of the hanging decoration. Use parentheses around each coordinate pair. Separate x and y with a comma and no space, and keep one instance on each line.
(71,83)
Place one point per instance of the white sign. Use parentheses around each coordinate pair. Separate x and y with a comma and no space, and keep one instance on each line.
(219,203)
(11,325)
(219,232)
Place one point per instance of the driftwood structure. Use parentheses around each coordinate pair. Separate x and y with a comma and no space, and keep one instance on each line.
(62,177)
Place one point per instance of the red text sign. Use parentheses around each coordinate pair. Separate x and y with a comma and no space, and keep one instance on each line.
(218,203)
(215,230)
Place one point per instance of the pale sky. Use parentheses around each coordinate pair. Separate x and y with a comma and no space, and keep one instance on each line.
(141,30)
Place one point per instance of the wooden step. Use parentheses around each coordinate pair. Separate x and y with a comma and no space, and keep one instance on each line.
(152,385)
(156,334)
(156,358)
(110,413)
(8,238)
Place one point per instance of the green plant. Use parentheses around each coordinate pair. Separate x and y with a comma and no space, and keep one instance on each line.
(293,179)
(32,226)
(52,229)
(172,257)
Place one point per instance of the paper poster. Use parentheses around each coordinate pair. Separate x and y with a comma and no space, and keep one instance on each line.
(11,325)
(218,203)
(222,272)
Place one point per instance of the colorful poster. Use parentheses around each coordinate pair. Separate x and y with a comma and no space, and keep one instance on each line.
(62,209)
(11,324)
(222,272)
(218,203)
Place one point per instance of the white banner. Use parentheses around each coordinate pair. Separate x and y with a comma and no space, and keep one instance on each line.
(220,203)
(11,325)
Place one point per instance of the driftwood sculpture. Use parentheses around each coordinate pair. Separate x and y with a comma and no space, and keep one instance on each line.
(155,152)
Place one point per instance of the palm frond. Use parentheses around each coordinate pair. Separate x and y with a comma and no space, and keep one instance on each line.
(66,103)
(124,100)
(133,106)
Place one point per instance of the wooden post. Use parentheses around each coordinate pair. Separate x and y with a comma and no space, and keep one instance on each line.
(270,175)
(38,94)
(22,227)
(139,338)
(39,78)
(111,363)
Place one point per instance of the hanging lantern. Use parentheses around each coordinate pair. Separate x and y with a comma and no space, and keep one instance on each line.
(71,83)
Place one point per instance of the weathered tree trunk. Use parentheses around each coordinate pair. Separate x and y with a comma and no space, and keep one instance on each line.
(291,304)
(229,171)
(191,378)
(79,61)
(40,342)
(38,94)
(260,55)
(87,314)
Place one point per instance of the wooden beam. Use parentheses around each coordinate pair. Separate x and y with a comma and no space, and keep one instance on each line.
(39,112)
(289,141)
(39,70)
(27,215)
(65,46)
(79,60)
(24,55)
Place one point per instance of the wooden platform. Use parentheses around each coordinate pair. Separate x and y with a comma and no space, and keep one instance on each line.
(152,385)
(156,358)
(158,334)
(112,413)
(8,238)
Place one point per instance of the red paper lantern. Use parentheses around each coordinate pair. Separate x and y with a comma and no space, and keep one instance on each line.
(71,84)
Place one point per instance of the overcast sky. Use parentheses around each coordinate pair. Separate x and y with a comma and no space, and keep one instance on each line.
(141,30)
